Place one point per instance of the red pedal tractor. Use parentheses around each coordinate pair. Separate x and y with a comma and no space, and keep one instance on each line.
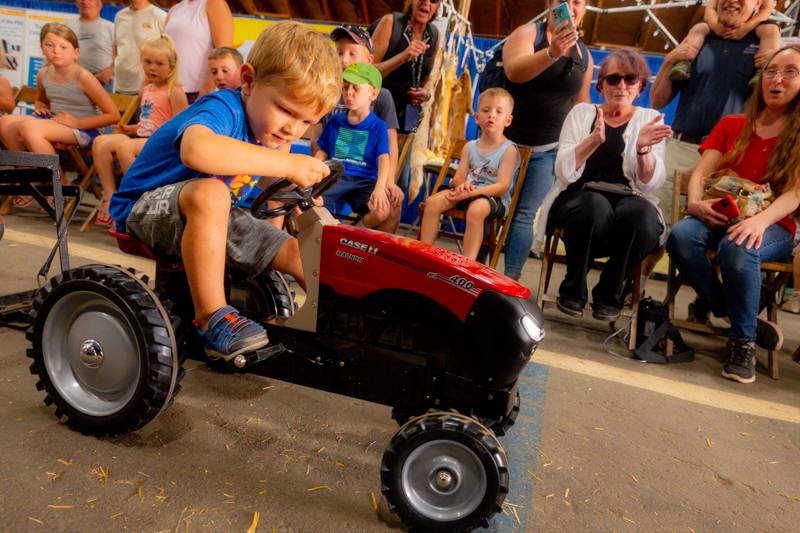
(439,338)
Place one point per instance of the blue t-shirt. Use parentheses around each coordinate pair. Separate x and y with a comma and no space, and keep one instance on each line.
(718,85)
(160,163)
(358,146)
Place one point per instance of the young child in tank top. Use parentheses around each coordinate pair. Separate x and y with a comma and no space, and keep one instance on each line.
(161,99)
(482,183)
(71,105)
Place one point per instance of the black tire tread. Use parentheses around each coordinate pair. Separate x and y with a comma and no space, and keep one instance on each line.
(145,405)
(450,422)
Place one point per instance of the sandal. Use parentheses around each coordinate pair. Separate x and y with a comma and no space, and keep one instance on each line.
(22,201)
(103,219)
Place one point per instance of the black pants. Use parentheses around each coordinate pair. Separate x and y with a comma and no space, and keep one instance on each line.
(623,228)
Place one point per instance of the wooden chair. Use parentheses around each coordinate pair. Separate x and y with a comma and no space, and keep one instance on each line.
(78,158)
(495,237)
(776,275)
(633,284)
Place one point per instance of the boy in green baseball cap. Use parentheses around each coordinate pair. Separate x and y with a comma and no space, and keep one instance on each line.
(360,140)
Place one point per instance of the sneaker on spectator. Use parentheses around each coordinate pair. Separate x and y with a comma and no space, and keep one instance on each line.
(792,304)
(681,70)
(768,335)
(741,363)
(230,334)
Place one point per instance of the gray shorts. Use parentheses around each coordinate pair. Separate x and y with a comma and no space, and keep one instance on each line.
(156,221)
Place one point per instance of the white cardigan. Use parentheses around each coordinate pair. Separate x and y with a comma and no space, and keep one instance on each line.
(576,128)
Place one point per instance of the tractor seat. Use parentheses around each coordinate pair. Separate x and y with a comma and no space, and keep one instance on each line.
(131,245)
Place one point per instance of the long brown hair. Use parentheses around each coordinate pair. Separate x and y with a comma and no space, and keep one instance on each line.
(783,168)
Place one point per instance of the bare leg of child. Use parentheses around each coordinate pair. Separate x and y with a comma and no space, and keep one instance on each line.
(477,212)
(769,42)
(205,204)
(696,37)
(434,207)
(10,126)
(128,152)
(104,148)
(39,135)
(392,221)
(288,260)
(376,217)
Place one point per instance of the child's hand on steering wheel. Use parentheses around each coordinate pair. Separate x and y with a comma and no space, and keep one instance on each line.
(306,171)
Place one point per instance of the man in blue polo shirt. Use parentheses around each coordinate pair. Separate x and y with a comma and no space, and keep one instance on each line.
(718,86)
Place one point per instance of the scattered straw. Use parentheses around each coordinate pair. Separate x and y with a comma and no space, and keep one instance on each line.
(321,450)
(628,519)
(254,523)
(369,446)
(61,506)
(101,473)
(53,475)
(374,500)
(633,478)
(116,515)
(32,519)
(566,493)
(340,464)
(65,462)
(318,487)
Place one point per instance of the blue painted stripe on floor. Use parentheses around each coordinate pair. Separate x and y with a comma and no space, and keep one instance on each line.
(522,447)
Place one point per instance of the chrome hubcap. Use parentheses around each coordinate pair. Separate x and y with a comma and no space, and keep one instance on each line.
(91,353)
(444,480)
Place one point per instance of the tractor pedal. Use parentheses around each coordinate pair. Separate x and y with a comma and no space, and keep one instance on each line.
(244,360)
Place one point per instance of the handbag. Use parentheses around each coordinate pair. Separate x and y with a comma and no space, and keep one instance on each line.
(751,197)
(621,189)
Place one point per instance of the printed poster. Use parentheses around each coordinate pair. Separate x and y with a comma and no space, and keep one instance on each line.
(12,31)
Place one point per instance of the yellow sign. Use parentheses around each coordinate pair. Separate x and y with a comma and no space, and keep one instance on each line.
(248,28)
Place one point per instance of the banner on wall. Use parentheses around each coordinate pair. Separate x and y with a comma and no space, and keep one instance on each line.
(19,41)
(12,31)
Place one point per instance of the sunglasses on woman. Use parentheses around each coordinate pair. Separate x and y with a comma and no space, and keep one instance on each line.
(614,79)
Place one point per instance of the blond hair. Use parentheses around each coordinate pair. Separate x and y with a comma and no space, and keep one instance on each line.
(164,43)
(226,51)
(301,57)
(497,92)
(59,30)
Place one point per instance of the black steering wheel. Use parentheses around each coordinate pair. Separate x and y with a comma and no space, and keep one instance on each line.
(292,197)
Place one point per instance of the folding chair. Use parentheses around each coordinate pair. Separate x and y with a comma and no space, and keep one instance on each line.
(776,276)
(77,157)
(495,236)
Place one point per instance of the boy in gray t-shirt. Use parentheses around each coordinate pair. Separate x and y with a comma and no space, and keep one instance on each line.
(96,38)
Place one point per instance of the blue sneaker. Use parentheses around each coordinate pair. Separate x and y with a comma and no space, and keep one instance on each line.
(230,334)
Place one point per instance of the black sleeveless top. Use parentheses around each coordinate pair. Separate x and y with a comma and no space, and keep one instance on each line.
(542,104)
(605,163)
(399,81)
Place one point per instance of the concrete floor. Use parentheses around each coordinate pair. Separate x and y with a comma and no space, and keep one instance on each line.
(602,443)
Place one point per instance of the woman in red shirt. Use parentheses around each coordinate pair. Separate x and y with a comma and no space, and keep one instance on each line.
(762,146)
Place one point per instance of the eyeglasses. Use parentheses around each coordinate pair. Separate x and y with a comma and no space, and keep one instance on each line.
(787,73)
(614,79)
